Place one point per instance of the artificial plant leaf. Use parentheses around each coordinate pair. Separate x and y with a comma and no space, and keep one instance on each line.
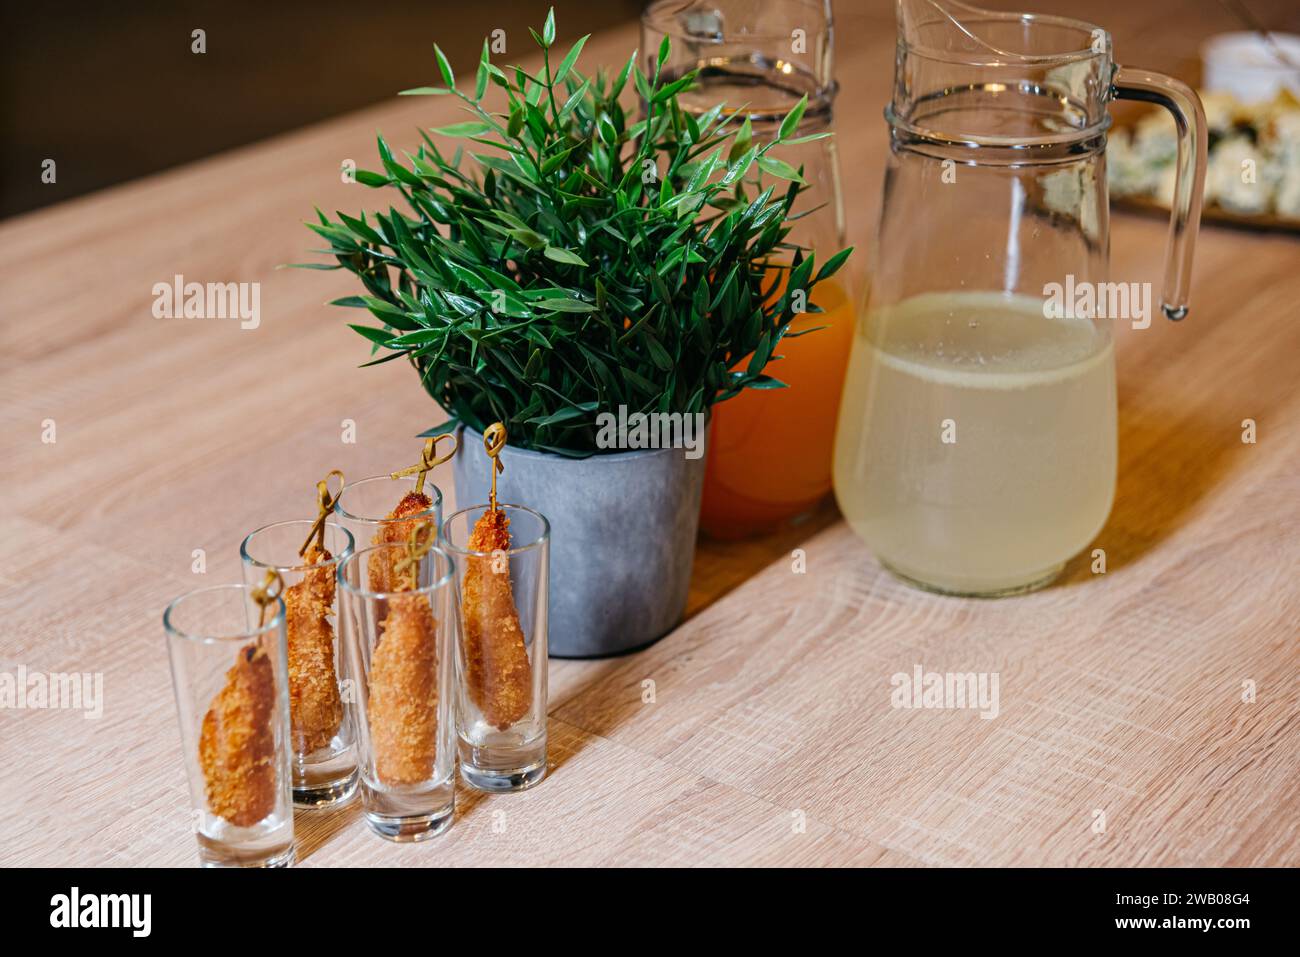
(561,255)
(779,168)
(444,67)
(791,121)
(570,59)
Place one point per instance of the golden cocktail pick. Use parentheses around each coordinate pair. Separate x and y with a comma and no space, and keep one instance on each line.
(494,440)
(326,500)
(264,594)
(417,546)
(427,461)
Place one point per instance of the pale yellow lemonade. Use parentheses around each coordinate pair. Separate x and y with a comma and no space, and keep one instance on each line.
(976,442)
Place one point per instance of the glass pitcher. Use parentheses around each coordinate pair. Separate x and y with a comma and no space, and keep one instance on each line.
(759,57)
(976,444)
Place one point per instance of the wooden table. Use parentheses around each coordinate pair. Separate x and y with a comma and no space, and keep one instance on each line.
(770,738)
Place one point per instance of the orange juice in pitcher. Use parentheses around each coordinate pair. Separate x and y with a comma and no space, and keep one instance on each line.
(769,450)
(752,482)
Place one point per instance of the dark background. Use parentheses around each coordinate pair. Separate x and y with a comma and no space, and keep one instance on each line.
(111,91)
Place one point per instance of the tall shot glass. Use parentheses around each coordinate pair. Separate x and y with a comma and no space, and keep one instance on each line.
(230,674)
(399,661)
(502,601)
(323,755)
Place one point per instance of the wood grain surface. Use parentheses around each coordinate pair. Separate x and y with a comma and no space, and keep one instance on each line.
(761,731)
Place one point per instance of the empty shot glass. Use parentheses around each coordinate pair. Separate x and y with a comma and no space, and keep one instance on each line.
(324,757)
(230,673)
(399,661)
(502,568)
(382,509)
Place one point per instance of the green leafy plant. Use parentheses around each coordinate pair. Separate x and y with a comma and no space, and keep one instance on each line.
(584,261)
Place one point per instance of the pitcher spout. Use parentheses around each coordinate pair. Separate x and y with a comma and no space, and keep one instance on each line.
(965,30)
(978,75)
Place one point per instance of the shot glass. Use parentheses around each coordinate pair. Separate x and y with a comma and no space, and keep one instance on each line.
(501,601)
(231,676)
(399,660)
(364,508)
(324,760)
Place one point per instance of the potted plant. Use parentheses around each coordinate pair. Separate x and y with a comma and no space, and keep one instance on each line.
(569,264)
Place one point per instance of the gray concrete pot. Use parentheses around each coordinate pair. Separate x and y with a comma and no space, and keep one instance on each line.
(622,537)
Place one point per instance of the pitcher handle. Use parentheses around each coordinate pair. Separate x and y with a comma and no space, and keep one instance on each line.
(1185,219)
